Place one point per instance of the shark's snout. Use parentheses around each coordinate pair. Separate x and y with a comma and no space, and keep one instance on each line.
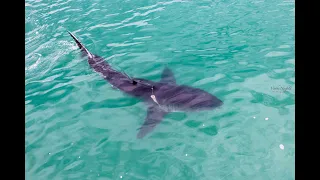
(206,101)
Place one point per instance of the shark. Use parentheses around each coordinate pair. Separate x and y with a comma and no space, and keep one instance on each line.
(161,97)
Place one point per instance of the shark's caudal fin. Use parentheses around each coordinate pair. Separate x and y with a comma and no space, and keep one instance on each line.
(154,117)
(84,50)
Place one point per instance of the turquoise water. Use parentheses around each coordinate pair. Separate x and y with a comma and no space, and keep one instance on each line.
(79,127)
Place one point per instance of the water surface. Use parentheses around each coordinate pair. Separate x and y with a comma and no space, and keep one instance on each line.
(79,127)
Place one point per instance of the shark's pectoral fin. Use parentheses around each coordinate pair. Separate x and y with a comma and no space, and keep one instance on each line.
(167,76)
(154,117)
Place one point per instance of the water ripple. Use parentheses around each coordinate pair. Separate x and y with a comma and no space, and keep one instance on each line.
(79,127)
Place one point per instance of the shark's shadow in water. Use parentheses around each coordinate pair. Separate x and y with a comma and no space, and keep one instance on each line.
(161,97)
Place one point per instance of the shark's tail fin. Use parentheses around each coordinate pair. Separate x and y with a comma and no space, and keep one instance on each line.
(84,50)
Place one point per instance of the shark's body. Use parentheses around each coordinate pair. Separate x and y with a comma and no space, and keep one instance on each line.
(161,97)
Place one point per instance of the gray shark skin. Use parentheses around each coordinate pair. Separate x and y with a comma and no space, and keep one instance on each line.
(161,97)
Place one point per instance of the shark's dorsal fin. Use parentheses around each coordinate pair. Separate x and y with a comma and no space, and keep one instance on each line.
(167,76)
(153,118)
